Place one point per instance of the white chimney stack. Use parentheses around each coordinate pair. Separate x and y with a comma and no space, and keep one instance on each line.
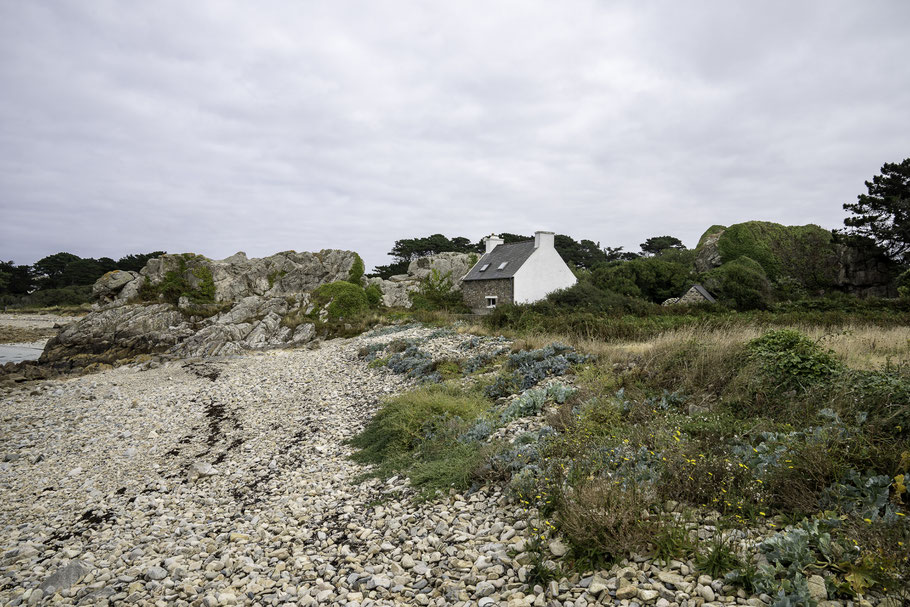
(492,241)
(543,240)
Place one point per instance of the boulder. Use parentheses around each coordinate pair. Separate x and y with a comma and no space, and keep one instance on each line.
(111,284)
(456,265)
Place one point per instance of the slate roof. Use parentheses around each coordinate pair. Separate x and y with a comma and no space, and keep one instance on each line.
(515,253)
(704,293)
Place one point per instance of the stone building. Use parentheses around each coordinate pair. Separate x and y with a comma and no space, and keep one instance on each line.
(521,272)
(695,294)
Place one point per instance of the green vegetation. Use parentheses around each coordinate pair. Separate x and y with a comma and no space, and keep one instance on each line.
(60,279)
(418,433)
(742,282)
(274,276)
(356,271)
(344,300)
(190,278)
(802,253)
(436,292)
(770,430)
(882,216)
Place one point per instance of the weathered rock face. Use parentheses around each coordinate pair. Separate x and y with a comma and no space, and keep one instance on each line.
(117,332)
(396,289)
(708,256)
(864,273)
(237,276)
(122,331)
(109,286)
(254,299)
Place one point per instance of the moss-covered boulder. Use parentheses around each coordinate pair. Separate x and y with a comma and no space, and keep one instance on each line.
(340,300)
(802,255)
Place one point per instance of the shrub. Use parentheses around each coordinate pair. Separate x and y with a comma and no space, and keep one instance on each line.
(417,433)
(903,285)
(603,520)
(437,292)
(374,296)
(742,282)
(789,359)
(652,278)
(196,283)
(530,367)
(344,300)
(355,274)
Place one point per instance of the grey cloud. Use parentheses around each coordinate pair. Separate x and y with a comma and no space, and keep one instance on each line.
(216,127)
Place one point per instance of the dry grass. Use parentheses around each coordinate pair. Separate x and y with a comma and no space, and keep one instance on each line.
(858,346)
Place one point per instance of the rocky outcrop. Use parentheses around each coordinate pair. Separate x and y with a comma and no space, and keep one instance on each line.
(396,289)
(864,272)
(123,331)
(229,306)
(109,286)
(236,277)
(707,256)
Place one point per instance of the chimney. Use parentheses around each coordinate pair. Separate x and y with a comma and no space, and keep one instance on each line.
(492,241)
(543,240)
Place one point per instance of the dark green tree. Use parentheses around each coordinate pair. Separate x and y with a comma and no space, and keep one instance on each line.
(49,270)
(617,254)
(658,244)
(136,261)
(407,250)
(84,271)
(651,278)
(19,279)
(883,215)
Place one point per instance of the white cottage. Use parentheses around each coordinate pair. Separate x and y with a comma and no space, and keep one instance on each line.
(521,272)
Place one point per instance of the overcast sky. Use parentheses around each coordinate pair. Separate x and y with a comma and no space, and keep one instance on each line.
(215,127)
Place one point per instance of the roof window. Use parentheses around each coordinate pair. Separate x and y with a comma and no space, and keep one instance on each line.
(485,266)
(503,265)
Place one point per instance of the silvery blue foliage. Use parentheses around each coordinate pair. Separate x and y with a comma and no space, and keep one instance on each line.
(528,404)
(415,363)
(479,432)
(560,392)
(529,367)
(471,343)
(392,329)
(478,361)
(372,351)
(866,496)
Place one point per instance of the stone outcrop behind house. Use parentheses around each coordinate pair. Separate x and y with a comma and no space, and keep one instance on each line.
(807,256)
(396,289)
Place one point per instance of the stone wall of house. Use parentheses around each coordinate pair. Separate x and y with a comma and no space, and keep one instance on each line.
(476,292)
(692,296)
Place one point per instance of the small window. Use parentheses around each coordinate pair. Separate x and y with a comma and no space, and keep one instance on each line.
(503,265)
(491,301)
(485,266)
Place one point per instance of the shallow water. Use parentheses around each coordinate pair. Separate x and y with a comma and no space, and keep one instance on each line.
(19,352)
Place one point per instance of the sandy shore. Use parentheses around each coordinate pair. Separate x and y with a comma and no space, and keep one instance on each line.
(18,328)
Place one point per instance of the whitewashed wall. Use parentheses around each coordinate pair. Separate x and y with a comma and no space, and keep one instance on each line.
(543,273)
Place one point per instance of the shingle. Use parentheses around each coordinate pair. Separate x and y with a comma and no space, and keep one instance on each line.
(513,255)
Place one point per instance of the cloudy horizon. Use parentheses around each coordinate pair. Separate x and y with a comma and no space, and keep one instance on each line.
(213,127)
